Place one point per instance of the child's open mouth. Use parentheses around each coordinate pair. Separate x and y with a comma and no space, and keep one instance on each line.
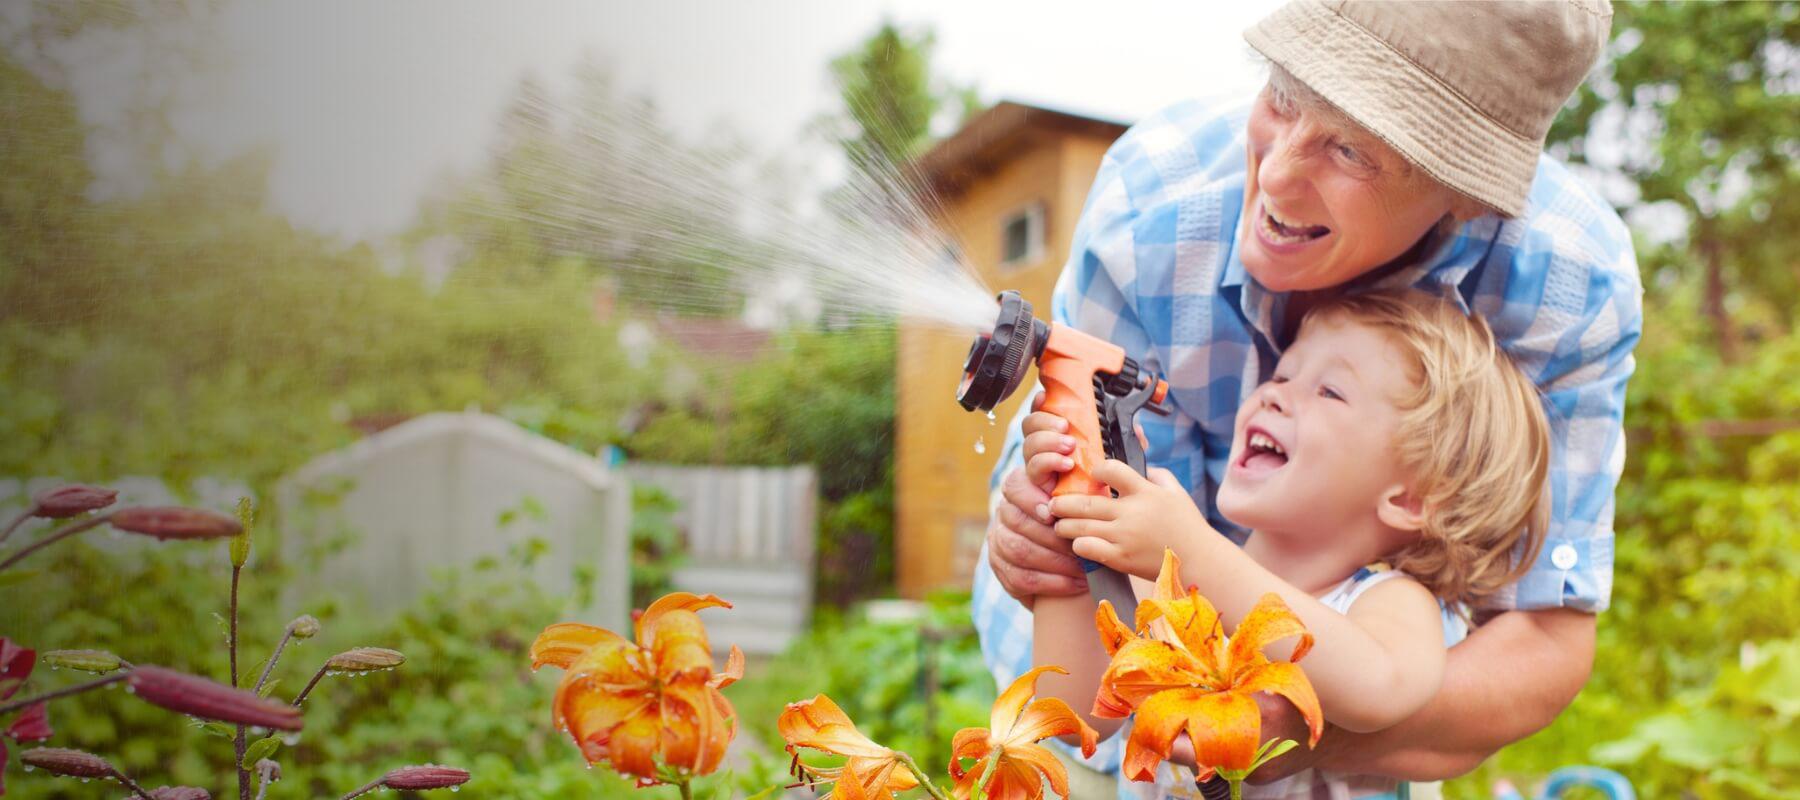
(1278,230)
(1262,453)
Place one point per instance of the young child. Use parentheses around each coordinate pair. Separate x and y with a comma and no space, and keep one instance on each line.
(1391,472)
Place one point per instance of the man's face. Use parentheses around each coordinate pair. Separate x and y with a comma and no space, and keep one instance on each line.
(1325,201)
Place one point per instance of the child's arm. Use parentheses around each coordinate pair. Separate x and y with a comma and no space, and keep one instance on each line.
(1371,668)
(1063,634)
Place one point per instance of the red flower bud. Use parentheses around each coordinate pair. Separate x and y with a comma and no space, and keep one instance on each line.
(69,500)
(16,664)
(180,793)
(174,522)
(67,763)
(199,697)
(32,724)
(426,776)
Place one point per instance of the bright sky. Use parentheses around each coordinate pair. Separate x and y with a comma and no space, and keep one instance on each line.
(366,104)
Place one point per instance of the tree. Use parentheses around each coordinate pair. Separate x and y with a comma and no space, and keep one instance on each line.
(1713,93)
(891,96)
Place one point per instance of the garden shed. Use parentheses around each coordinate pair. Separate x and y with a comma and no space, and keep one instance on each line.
(443,490)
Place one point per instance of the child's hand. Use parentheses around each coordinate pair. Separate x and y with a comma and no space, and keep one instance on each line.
(1129,532)
(1047,449)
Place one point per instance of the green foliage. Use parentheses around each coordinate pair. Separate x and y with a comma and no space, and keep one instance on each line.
(1714,86)
(1707,564)
(656,546)
(889,94)
(876,672)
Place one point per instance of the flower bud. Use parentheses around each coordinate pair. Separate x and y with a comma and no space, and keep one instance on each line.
(174,522)
(240,544)
(304,626)
(365,659)
(180,793)
(199,697)
(426,776)
(69,500)
(67,763)
(98,662)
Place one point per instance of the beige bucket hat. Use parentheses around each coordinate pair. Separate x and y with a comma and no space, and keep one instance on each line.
(1464,90)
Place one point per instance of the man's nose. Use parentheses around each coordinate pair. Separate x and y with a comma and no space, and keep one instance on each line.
(1281,169)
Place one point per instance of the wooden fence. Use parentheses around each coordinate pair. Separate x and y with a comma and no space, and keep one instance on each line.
(749,534)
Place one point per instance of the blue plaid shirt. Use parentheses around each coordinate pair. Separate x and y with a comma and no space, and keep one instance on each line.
(1154,268)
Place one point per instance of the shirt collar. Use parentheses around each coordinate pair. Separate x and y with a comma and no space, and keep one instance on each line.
(1439,269)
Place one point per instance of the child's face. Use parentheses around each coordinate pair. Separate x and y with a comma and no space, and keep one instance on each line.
(1313,449)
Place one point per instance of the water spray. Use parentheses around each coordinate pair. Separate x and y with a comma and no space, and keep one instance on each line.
(1088,381)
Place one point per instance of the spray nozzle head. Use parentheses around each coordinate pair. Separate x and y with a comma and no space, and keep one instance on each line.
(998,360)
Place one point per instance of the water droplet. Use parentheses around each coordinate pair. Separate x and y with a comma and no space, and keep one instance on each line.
(990,416)
(456,788)
(980,445)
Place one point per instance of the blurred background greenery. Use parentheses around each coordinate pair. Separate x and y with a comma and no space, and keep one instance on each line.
(188,332)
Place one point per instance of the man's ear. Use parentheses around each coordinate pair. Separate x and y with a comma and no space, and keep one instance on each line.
(1401,509)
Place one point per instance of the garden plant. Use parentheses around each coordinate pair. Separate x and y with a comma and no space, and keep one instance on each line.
(651,707)
(233,711)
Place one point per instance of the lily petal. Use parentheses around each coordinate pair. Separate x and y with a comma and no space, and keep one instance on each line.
(1285,679)
(819,724)
(1047,717)
(1113,631)
(675,601)
(1014,780)
(1225,728)
(678,640)
(590,715)
(967,781)
(560,644)
(1144,667)
(1012,701)
(633,745)
(1044,763)
(1159,719)
(1269,620)
(968,743)
(694,733)
(733,672)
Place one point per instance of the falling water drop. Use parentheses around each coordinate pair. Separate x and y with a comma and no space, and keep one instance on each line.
(990,416)
(980,445)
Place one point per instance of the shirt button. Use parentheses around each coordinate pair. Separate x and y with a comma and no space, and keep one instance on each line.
(1563,557)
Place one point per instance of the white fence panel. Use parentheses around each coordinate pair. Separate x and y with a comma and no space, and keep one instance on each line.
(749,533)
(429,493)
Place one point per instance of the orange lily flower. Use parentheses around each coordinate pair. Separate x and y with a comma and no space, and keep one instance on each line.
(1020,764)
(1179,672)
(635,704)
(872,772)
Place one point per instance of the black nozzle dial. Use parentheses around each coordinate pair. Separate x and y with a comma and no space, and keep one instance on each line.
(998,361)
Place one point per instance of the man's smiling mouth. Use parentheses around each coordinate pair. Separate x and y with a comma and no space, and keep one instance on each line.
(1287,231)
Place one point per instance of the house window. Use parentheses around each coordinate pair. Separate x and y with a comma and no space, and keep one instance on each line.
(1022,237)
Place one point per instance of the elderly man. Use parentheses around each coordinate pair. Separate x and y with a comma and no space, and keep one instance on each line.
(1396,144)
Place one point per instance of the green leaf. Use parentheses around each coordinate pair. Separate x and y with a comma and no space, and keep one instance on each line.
(220,729)
(259,750)
(268,688)
(17,576)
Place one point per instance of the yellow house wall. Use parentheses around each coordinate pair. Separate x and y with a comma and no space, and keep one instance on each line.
(940,479)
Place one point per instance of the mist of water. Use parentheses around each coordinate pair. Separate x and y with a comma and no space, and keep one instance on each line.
(714,229)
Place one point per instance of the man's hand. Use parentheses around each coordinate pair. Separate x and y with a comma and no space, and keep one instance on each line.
(1028,558)
(1508,680)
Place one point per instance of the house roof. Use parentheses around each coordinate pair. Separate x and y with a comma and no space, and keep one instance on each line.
(994,135)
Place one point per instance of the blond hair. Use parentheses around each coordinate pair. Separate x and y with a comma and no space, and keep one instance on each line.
(1474,438)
